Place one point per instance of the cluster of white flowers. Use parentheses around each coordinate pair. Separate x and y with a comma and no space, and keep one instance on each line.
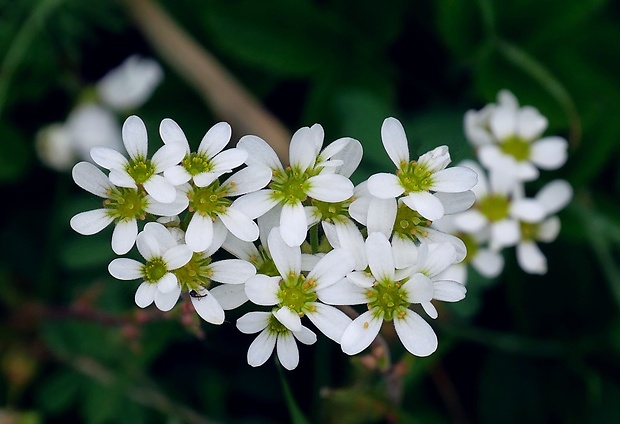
(304,241)
(511,152)
(93,121)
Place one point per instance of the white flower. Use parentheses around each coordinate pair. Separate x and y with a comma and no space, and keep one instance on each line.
(123,206)
(390,292)
(139,170)
(507,135)
(162,255)
(497,209)
(416,180)
(295,294)
(129,85)
(291,187)
(61,145)
(273,334)
(209,162)
(553,197)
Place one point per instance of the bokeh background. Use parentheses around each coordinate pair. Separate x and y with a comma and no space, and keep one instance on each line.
(519,348)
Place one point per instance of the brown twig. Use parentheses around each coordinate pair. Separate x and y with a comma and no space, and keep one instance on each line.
(228,99)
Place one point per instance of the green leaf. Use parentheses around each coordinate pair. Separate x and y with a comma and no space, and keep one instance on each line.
(86,252)
(14,154)
(58,391)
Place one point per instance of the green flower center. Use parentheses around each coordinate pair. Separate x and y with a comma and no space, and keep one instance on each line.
(154,269)
(140,169)
(210,200)
(388,298)
(495,207)
(414,177)
(196,273)
(291,186)
(516,147)
(529,231)
(296,292)
(197,163)
(332,212)
(410,224)
(125,204)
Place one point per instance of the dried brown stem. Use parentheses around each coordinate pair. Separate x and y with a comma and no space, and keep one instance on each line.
(228,99)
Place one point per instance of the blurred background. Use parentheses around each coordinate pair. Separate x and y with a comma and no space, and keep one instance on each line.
(519,348)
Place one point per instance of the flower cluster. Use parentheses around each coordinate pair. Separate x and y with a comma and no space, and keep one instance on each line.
(511,152)
(302,240)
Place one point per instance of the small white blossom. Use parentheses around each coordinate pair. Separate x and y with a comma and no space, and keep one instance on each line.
(509,136)
(416,181)
(130,84)
(273,334)
(139,170)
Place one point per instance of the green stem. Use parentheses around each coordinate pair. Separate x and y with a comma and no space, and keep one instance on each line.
(297,417)
(20,44)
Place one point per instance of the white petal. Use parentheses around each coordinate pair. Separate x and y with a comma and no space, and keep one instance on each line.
(228,160)
(167,283)
(419,288)
(530,258)
(549,229)
(434,236)
(177,175)
(288,353)
(449,291)
(425,204)
(416,334)
(148,245)
(381,215)
(305,336)
(528,210)
(135,137)
(170,132)
(329,320)
(454,180)
(489,263)
(394,141)
(504,233)
(206,178)
(549,152)
(168,156)
(405,252)
(360,333)
(385,186)
(229,296)
(125,269)
(343,293)
(232,271)
(330,188)
(166,301)
(215,139)
(239,248)
(530,123)
(293,224)
(145,294)
(436,159)
(199,233)
(208,308)
(91,222)
(177,256)
(289,318)
(303,149)
(456,202)
(440,257)
(331,268)
(379,254)
(255,204)
(351,155)
(160,189)
(503,123)
(179,204)
(555,195)
(351,239)
(239,224)
(124,236)
(108,158)
(90,178)
(261,348)
(253,322)
(260,153)
(247,180)
(470,221)
(286,258)
(361,279)
(481,188)
(121,178)
(262,290)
